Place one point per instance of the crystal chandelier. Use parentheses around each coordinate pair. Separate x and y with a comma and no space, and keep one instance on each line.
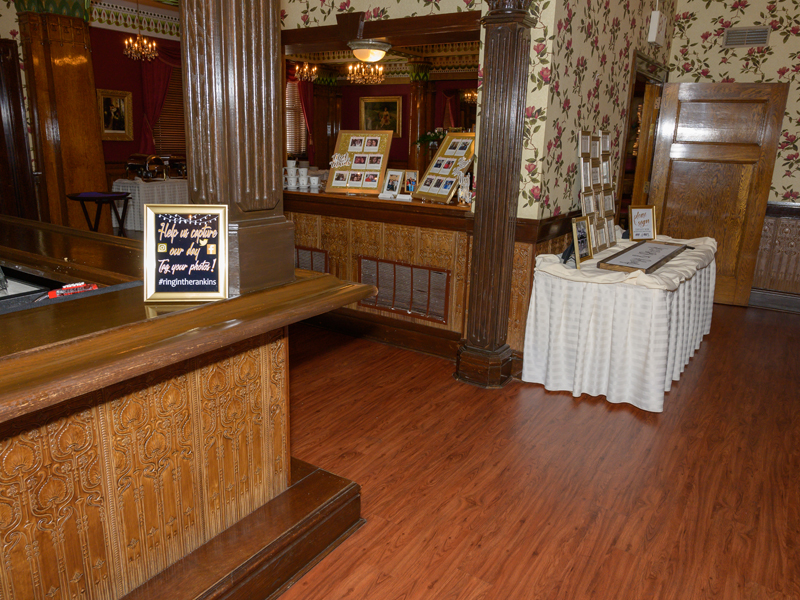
(140,48)
(365,74)
(306,72)
(470,96)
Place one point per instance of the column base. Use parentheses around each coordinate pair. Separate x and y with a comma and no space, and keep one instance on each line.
(484,368)
(261,254)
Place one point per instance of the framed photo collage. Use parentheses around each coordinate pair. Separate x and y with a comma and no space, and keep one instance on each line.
(594,230)
(452,158)
(367,157)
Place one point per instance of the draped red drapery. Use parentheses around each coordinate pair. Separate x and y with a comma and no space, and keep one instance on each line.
(155,82)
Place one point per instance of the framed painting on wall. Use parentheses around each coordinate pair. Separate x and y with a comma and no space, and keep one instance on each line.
(116,115)
(381,113)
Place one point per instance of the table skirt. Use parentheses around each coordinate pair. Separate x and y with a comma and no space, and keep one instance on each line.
(167,191)
(625,342)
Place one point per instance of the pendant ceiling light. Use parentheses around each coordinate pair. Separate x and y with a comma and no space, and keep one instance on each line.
(140,48)
(365,74)
(306,72)
(369,50)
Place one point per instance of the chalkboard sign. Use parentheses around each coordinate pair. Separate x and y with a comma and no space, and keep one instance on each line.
(185,252)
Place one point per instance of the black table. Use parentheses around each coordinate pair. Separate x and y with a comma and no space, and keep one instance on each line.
(101,198)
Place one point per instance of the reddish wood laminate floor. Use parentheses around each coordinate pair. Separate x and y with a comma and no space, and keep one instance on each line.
(524,494)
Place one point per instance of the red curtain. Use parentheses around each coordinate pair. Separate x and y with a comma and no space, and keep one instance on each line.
(155,81)
(306,92)
(452,104)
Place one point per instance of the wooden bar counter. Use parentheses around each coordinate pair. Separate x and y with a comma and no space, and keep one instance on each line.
(144,450)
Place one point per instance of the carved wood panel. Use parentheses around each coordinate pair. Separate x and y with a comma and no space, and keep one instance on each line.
(306,229)
(128,480)
(400,243)
(778,263)
(366,240)
(522,275)
(335,238)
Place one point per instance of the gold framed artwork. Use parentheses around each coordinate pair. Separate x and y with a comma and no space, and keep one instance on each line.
(642,220)
(359,162)
(584,147)
(115,110)
(588,203)
(411,182)
(381,113)
(581,240)
(586,174)
(441,178)
(185,252)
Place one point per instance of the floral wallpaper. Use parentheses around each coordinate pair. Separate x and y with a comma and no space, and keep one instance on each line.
(313,13)
(585,68)
(698,56)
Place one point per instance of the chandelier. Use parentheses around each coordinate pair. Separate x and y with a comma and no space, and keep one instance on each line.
(140,48)
(306,72)
(470,96)
(365,74)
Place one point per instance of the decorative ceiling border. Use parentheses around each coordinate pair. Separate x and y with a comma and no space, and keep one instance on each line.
(122,16)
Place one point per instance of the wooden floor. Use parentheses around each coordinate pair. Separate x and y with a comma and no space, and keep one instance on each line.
(524,494)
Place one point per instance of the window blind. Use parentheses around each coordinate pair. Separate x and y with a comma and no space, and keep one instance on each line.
(296,134)
(169,132)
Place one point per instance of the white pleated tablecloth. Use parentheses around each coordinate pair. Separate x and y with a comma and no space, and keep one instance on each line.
(164,191)
(625,336)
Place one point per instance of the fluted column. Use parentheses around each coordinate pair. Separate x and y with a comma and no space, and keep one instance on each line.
(234,90)
(418,156)
(485,359)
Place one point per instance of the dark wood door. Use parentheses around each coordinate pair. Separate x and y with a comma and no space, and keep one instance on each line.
(647,138)
(17,195)
(712,168)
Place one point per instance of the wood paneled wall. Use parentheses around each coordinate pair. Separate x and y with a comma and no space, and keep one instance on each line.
(347,239)
(778,263)
(121,483)
(58,64)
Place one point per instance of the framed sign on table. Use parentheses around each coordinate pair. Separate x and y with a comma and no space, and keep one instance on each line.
(360,159)
(185,252)
(642,222)
(441,178)
(646,256)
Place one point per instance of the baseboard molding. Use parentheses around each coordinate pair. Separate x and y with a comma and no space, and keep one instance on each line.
(266,552)
(775,301)
(412,336)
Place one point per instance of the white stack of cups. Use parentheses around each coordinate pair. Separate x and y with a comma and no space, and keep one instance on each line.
(290,177)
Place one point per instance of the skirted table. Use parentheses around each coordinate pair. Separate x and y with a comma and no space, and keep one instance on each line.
(163,191)
(625,336)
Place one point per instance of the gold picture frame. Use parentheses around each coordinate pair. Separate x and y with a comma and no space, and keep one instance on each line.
(581,239)
(642,222)
(115,112)
(381,113)
(185,252)
(366,152)
(441,177)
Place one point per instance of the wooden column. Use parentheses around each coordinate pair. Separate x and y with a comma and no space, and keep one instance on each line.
(418,156)
(234,90)
(485,359)
(68,149)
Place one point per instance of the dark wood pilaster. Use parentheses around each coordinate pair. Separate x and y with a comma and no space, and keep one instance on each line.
(418,156)
(486,358)
(327,118)
(234,90)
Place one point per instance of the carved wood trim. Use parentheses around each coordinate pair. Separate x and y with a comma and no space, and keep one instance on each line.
(111,490)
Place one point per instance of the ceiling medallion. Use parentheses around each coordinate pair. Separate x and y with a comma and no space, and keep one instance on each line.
(365,74)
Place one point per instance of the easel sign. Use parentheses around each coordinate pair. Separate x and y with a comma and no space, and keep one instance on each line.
(642,222)
(360,161)
(441,178)
(185,252)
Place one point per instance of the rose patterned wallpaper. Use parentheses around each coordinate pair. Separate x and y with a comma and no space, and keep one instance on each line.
(586,72)
(698,56)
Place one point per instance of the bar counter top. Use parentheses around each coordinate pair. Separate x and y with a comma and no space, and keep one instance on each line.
(52,353)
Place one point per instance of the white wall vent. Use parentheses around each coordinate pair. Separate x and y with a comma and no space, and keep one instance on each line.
(745,37)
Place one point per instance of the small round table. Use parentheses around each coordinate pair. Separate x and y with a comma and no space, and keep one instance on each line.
(101,198)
